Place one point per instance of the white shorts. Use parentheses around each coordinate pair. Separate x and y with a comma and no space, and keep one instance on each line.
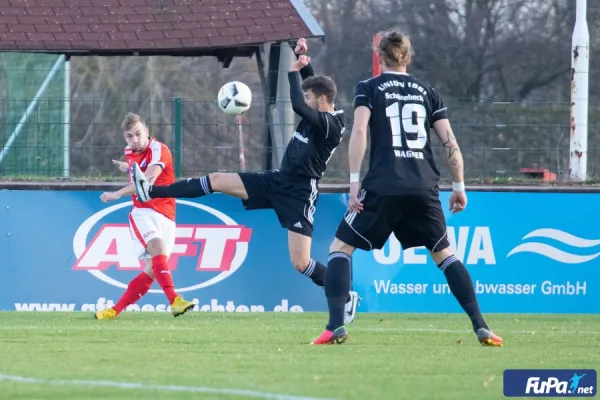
(146,224)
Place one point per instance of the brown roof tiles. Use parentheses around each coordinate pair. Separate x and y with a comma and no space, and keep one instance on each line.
(150,27)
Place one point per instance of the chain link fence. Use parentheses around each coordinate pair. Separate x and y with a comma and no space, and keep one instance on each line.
(498,139)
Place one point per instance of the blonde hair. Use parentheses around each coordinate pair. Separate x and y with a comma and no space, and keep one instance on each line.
(131,119)
(394,48)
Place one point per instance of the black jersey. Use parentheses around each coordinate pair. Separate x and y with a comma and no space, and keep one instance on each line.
(403,109)
(315,138)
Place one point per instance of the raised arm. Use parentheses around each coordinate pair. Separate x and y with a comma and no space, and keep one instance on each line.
(301,49)
(307,72)
(297,96)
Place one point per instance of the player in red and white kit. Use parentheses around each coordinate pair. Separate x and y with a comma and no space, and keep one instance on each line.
(152,224)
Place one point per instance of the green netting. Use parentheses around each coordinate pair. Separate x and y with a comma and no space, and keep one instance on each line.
(38,148)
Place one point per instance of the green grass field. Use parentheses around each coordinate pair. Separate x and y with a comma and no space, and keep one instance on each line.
(210,356)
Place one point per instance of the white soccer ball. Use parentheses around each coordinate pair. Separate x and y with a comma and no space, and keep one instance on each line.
(234,98)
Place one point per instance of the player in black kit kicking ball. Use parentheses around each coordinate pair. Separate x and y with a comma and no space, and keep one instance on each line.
(399,192)
(292,190)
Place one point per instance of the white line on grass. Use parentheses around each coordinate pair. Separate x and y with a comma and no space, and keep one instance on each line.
(437,330)
(296,328)
(169,388)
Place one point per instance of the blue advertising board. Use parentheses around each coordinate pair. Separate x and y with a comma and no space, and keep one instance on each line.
(526,252)
(68,251)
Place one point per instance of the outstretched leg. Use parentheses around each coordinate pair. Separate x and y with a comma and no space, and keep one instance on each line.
(228,183)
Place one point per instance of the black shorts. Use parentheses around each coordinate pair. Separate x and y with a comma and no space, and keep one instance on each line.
(415,220)
(293,198)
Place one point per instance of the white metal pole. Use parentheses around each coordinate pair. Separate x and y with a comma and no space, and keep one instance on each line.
(32,105)
(67,120)
(238,120)
(284,104)
(580,62)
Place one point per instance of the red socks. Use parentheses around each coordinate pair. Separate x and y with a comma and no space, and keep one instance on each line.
(136,289)
(140,285)
(163,276)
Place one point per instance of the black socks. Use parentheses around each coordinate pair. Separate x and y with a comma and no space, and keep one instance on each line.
(189,188)
(337,286)
(315,271)
(461,286)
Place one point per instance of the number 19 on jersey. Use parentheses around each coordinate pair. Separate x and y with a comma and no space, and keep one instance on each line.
(413,123)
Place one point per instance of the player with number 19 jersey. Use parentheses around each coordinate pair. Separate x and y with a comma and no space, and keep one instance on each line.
(399,194)
(403,110)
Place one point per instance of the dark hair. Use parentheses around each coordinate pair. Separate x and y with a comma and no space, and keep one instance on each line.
(321,85)
(394,48)
(130,119)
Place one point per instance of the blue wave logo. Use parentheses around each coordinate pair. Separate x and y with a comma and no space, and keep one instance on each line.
(553,252)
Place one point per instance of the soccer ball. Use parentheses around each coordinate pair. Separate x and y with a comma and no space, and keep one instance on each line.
(234,98)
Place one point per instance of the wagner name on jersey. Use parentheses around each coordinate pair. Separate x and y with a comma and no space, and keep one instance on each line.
(402,111)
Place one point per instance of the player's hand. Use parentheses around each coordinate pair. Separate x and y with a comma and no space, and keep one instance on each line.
(301,47)
(458,202)
(109,196)
(300,63)
(355,204)
(123,166)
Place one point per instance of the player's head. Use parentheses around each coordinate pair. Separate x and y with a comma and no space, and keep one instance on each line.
(135,132)
(319,92)
(394,50)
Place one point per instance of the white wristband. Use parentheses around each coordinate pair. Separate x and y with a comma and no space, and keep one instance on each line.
(458,186)
(354,177)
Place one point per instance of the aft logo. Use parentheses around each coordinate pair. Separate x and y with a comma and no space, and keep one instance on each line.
(550,383)
(216,248)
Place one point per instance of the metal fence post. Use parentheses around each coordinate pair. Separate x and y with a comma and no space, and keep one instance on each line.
(177,123)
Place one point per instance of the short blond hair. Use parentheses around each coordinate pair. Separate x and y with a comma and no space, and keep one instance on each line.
(131,119)
(394,48)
